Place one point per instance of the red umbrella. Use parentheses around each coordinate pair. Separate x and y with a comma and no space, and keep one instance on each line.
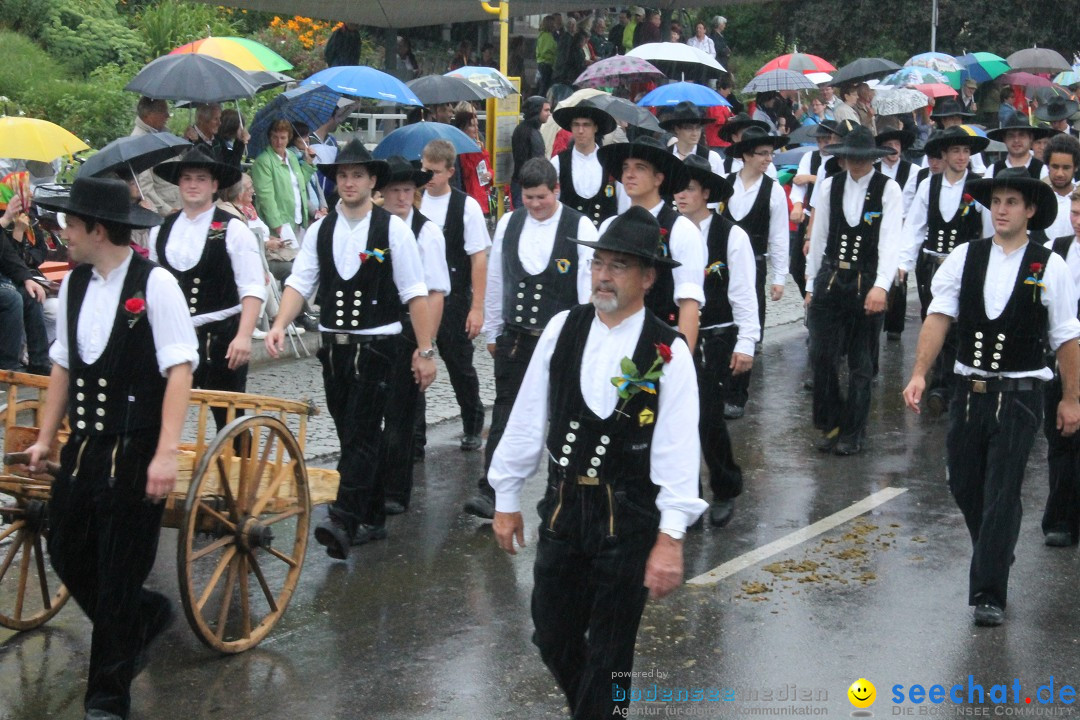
(799,62)
(936,90)
(1026,79)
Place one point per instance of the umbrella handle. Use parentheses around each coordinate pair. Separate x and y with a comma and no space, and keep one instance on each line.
(136,178)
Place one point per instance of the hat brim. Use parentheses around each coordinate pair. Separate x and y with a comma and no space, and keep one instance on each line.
(601,245)
(226,175)
(379,168)
(612,157)
(730,128)
(1070,109)
(934,148)
(905,137)
(136,217)
(419,178)
(743,146)
(1037,132)
(719,188)
(1041,193)
(840,150)
(564,118)
(934,115)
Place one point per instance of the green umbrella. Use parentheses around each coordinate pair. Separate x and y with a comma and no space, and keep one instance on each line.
(982,66)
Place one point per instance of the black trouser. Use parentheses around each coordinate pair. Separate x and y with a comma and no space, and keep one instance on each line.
(213,372)
(839,326)
(713,358)
(358,381)
(796,258)
(896,307)
(103,536)
(942,377)
(513,351)
(456,351)
(1062,513)
(738,391)
(589,593)
(990,437)
(399,430)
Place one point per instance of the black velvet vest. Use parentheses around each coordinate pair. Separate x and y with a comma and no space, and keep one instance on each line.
(369,299)
(857,246)
(756,222)
(210,285)
(597,208)
(942,236)
(717,310)
(530,301)
(457,260)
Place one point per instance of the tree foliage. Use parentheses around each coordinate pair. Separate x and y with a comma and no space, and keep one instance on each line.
(87,34)
(169,24)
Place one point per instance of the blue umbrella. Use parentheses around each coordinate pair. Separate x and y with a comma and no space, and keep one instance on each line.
(364,82)
(312,105)
(410,141)
(674,93)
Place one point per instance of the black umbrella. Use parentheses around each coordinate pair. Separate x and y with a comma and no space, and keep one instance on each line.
(266,79)
(625,111)
(804,134)
(134,153)
(863,69)
(440,89)
(194,77)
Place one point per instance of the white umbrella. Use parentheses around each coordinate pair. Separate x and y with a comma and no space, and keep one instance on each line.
(674,59)
(895,101)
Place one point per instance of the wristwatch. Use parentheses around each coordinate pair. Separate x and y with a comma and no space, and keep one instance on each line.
(428,354)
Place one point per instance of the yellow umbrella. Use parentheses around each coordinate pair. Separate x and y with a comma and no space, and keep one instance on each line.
(23,138)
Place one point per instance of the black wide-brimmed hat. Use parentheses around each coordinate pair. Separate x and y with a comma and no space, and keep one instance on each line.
(1034,191)
(564,117)
(650,150)
(1019,122)
(401,170)
(831,128)
(906,137)
(635,232)
(698,168)
(949,107)
(754,137)
(354,153)
(1057,108)
(859,144)
(735,123)
(196,157)
(685,113)
(942,140)
(102,199)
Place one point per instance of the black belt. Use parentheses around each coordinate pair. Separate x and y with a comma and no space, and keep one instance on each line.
(829,264)
(714,331)
(531,332)
(996,385)
(330,338)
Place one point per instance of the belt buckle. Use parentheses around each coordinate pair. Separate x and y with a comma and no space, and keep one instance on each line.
(583,480)
(342,339)
(978,386)
(844,265)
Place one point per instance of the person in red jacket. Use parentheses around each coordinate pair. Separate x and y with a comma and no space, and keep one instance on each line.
(476,170)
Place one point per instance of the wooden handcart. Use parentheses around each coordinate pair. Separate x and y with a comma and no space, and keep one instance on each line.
(241,506)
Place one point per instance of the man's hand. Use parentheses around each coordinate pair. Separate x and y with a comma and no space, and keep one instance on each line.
(797,214)
(741,363)
(901,275)
(39,453)
(244,136)
(161,475)
(1068,417)
(875,301)
(776,292)
(474,322)
(491,349)
(807,299)
(914,391)
(508,526)
(664,570)
(423,370)
(190,134)
(239,352)
(34,290)
(275,341)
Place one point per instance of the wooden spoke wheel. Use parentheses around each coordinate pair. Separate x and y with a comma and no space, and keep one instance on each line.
(244,533)
(30,591)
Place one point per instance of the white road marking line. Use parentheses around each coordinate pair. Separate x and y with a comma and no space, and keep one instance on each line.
(799,536)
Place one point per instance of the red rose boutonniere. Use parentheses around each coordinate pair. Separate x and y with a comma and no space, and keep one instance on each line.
(135,307)
(217,231)
(1035,280)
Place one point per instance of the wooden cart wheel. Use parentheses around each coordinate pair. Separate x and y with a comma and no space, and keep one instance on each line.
(30,591)
(244,533)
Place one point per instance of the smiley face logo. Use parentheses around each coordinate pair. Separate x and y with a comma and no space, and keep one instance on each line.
(862,693)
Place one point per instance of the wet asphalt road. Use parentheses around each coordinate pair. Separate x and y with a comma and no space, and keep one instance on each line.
(434,622)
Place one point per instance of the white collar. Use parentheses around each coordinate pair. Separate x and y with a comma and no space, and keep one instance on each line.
(117,272)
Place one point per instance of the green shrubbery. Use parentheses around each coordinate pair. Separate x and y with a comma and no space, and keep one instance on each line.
(170,24)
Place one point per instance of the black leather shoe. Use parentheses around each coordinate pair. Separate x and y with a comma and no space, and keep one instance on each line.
(733,412)
(721,512)
(393,507)
(331,533)
(470,443)
(847,447)
(481,506)
(1058,539)
(988,615)
(367,533)
(936,403)
(827,441)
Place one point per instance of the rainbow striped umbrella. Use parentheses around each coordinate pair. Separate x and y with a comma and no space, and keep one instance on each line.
(241,52)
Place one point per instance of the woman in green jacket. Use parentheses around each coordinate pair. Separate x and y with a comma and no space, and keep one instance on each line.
(280,182)
(546,47)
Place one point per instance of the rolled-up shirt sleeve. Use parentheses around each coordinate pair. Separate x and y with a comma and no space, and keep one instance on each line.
(493,310)
(945,286)
(433,253)
(819,233)
(688,248)
(890,235)
(779,236)
(243,249)
(741,292)
(407,266)
(58,351)
(1059,297)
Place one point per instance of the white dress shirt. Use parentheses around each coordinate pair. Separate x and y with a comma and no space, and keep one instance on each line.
(1062,225)
(1072,259)
(686,247)
(432,246)
(1059,297)
(916,225)
(798,192)
(909,187)
(741,283)
(407,266)
(890,236)
(704,44)
(166,309)
(586,172)
(186,243)
(740,204)
(675,455)
(476,232)
(535,246)
(716,163)
(1044,173)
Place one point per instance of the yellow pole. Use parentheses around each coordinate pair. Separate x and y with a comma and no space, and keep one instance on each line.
(503,11)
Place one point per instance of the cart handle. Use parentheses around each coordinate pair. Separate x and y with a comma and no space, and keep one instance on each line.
(22,458)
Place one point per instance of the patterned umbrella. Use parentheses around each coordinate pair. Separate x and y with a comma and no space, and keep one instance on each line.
(799,62)
(672,94)
(312,105)
(909,76)
(1038,60)
(616,70)
(983,66)
(779,80)
(936,90)
(488,79)
(243,53)
(895,101)
(935,61)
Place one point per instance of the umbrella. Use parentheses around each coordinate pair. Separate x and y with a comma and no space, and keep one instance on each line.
(863,69)
(136,153)
(895,101)
(677,59)
(23,138)
(1045,94)
(819,78)
(947,65)
(792,156)
(439,89)
(1067,78)
(1038,60)
(983,66)
(364,82)
(198,78)
(267,79)
(915,76)
(490,80)
(312,105)
(799,62)
(243,53)
(804,134)
(410,141)
(936,90)
(779,80)
(1026,79)
(674,93)
(625,111)
(618,69)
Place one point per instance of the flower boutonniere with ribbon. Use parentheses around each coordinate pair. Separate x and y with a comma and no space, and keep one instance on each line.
(966,203)
(632,381)
(1035,279)
(869,217)
(135,308)
(714,268)
(377,254)
(562,265)
(217,230)
(664,250)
